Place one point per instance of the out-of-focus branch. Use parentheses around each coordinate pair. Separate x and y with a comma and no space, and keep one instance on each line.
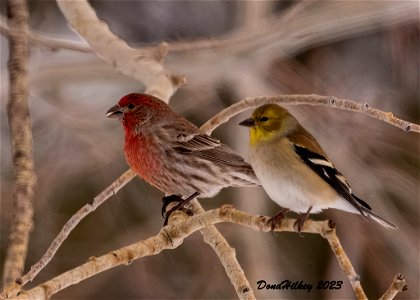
(329,101)
(42,40)
(21,139)
(145,66)
(318,22)
(398,285)
(172,236)
(283,34)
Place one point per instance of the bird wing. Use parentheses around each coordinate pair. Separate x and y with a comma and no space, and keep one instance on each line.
(195,142)
(326,170)
(185,138)
(207,147)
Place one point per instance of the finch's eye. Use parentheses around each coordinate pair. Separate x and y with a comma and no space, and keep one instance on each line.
(263,119)
(131,106)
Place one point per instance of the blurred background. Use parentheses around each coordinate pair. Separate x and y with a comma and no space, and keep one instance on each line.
(366,51)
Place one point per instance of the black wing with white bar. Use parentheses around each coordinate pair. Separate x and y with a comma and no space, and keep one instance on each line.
(326,170)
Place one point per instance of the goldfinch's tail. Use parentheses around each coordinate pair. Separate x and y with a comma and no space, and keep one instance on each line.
(378,219)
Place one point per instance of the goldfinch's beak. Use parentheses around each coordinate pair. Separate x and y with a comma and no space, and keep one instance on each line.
(247,123)
(115,112)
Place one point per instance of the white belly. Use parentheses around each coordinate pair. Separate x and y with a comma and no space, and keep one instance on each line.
(288,182)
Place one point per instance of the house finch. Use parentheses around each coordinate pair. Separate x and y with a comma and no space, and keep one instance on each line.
(172,154)
(295,171)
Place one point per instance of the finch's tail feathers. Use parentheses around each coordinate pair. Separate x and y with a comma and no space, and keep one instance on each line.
(379,219)
(367,211)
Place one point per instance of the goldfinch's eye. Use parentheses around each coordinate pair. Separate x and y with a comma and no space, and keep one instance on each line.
(131,106)
(263,119)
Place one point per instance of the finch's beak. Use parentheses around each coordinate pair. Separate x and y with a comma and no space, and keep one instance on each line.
(115,112)
(247,123)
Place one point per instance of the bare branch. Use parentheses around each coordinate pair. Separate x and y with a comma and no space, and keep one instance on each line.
(144,66)
(21,139)
(227,256)
(398,285)
(328,101)
(172,236)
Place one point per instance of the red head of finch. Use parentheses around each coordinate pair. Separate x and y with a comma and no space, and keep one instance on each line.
(172,154)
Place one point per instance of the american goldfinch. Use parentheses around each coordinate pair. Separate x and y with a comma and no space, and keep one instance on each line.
(295,171)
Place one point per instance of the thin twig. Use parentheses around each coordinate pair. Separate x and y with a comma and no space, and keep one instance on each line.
(21,139)
(45,41)
(398,285)
(329,101)
(172,236)
(75,219)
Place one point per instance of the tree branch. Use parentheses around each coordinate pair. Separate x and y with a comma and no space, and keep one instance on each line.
(329,101)
(181,227)
(227,256)
(21,139)
(398,285)
(144,66)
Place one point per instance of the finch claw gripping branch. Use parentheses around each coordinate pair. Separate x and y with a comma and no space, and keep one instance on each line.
(179,206)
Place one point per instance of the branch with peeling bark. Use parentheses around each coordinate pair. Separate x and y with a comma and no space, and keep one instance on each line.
(21,139)
(181,226)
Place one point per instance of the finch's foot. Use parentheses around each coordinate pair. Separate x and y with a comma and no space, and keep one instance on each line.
(277,218)
(179,206)
(168,200)
(301,220)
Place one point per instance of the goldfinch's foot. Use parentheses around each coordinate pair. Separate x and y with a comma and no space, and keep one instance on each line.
(300,221)
(299,224)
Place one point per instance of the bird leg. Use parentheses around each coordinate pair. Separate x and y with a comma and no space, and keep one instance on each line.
(301,220)
(280,215)
(168,200)
(180,205)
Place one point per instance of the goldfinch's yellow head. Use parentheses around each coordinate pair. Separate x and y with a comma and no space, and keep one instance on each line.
(268,122)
